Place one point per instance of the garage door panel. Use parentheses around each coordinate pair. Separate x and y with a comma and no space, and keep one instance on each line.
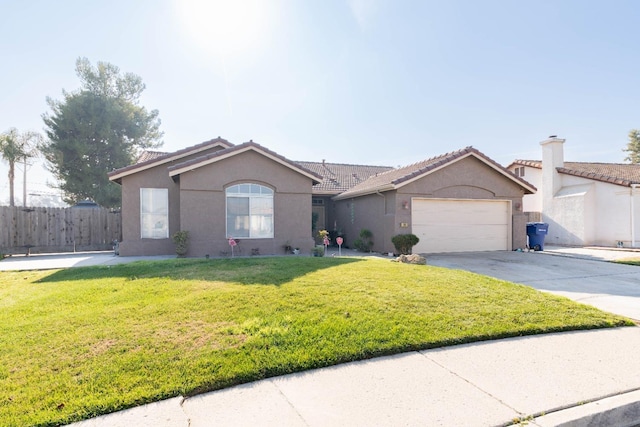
(462,212)
(460,225)
(461,239)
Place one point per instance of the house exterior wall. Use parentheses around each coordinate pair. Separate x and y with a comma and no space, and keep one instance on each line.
(532,202)
(588,212)
(468,178)
(155,177)
(203,205)
(567,214)
(374,212)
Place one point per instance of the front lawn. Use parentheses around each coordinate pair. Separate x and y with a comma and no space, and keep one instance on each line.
(629,261)
(81,342)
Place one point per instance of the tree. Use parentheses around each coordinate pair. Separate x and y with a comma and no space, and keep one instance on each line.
(16,147)
(97,129)
(633,146)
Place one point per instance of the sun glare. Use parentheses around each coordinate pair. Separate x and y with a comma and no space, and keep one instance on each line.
(225,27)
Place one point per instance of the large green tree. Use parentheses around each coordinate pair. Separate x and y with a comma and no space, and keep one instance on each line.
(96,129)
(17,147)
(633,146)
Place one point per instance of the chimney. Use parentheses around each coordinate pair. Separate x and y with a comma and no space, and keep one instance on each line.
(552,158)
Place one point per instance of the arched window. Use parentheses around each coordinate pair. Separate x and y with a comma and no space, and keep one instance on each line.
(249,211)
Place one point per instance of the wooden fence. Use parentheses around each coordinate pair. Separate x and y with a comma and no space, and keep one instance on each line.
(40,230)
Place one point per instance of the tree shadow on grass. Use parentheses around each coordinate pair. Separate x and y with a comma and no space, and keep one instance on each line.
(246,271)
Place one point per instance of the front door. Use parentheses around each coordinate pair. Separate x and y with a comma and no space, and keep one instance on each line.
(318,212)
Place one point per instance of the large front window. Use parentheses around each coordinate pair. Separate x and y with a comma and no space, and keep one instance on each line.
(250,211)
(154,213)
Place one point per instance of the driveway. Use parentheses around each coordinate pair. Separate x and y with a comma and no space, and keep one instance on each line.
(582,275)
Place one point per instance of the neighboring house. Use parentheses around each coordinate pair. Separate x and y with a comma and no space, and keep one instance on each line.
(584,203)
(461,201)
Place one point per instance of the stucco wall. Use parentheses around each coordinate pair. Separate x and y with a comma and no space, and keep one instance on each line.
(600,216)
(203,207)
(156,177)
(532,202)
(132,244)
(374,212)
(566,215)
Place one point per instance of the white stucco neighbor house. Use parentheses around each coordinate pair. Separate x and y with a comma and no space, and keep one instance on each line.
(583,203)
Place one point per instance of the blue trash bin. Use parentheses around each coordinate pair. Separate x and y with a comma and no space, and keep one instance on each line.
(536,232)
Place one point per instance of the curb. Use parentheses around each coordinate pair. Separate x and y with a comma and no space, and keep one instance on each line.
(622,410)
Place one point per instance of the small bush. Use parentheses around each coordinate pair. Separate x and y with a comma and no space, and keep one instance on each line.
(181,239)
(404,242)
(364,243)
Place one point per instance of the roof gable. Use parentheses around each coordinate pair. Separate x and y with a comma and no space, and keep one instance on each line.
(623,174)
(152,159)
(208,159)
(400,177)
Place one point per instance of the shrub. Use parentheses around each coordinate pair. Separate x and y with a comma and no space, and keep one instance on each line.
(181,239)
(404,242)
(364,243)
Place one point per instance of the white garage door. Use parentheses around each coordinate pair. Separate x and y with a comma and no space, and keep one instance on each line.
(454,225)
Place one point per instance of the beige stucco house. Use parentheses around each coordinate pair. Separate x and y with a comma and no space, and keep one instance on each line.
(460,201)
(583,203)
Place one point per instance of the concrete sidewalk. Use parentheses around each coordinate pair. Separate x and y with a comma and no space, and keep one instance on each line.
(589,378)
(68,260)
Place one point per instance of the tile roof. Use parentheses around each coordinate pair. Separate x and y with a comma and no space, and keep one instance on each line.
(236,149)
(158,158)
(147,155)
(338,177)
(397,177)
(623,174)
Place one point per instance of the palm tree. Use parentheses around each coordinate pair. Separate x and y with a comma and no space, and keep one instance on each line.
(16,147)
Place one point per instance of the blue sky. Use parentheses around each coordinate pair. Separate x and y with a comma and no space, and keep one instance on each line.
(349,81)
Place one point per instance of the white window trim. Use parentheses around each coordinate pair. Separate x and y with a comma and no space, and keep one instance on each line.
(163,232)
(249,195)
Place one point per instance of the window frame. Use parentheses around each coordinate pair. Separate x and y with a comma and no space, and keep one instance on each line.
(255,194)
(161,197)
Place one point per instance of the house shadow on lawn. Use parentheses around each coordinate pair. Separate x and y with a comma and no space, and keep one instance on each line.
(245,271)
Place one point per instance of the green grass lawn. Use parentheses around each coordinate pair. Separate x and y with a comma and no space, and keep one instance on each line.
(629,261)
(81,342)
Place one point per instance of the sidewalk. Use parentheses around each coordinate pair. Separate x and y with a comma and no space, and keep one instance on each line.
(67,260)
(589,377)
(596,253)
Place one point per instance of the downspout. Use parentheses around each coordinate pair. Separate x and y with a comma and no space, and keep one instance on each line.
(633,220)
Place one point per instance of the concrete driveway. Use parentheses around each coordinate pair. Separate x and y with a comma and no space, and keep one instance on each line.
(582,275)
